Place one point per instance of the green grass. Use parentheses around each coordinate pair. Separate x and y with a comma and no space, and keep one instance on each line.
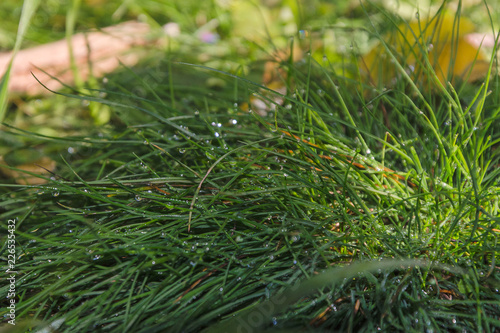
(28,9)
(189,212)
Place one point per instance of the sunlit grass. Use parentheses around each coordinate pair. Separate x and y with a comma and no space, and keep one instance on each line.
(29,8)
(193,210)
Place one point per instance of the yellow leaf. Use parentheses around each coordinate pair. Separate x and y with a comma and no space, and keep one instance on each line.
(441,41)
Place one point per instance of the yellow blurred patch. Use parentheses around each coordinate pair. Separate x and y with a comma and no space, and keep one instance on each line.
(442,41)
(43,166)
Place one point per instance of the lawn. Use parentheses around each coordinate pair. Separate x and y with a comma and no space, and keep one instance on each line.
(264,166)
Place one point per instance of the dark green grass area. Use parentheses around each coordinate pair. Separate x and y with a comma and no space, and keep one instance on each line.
(336,207)
(191,210)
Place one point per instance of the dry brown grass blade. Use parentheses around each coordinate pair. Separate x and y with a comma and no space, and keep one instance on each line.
(388,172)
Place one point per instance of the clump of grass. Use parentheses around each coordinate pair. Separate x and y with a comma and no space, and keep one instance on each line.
(191,212)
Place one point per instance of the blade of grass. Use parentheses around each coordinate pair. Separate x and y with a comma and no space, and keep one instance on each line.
(29,8)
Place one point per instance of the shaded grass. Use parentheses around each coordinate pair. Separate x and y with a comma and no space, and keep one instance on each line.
(180,216)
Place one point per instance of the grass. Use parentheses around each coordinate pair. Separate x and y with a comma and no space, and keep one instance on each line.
(29,7)
(194,211)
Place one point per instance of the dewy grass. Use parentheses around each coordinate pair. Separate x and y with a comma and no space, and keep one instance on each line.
(208,215)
